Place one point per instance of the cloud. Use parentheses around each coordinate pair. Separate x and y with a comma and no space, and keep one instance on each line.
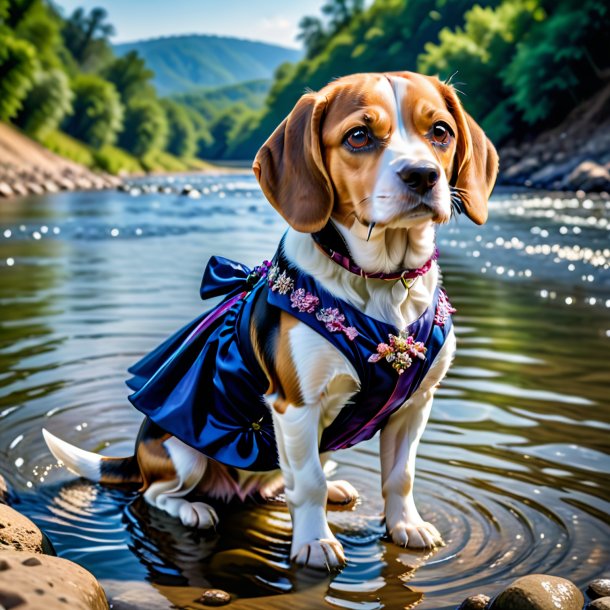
(275,23)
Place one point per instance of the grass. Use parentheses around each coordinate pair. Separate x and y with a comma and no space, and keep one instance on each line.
(65,146)
(114,160)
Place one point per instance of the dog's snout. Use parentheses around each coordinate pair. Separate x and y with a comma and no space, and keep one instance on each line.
(420,176)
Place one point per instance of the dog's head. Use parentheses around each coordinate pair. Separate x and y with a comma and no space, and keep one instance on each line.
(385,148)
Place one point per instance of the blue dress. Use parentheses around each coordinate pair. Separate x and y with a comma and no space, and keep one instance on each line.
(205,386)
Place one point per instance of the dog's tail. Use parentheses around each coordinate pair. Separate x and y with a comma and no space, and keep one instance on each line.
(96,468)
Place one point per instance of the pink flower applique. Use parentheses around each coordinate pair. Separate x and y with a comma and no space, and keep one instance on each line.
(443,309)
(304,301)
(400,352)
(333,320)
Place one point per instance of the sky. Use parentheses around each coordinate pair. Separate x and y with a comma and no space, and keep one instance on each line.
(272,21)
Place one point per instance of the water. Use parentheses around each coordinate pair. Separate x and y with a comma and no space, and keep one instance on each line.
(513,468)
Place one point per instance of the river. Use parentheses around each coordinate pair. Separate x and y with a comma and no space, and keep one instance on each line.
(513,467)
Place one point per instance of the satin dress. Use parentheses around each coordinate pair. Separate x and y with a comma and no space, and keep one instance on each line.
(205,386)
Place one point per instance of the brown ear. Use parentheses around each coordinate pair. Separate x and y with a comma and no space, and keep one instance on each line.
(290,168)
(475,165)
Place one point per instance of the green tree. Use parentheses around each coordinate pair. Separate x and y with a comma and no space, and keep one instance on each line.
(86,37)
(13,12)
(312,34)
(478,54)
(182,137)
(562,61)
(145,127)
(98,113)
(130,76)
(18,66)
(47,103)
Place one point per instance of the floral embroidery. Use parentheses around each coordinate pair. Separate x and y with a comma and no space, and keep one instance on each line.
(400,352)
(305,302)
(283,284)
(443,309)
(333,320)
(272,274)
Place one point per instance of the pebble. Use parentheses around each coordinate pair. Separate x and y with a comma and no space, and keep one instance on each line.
(475,602)
(214,597)
(599,588)
(603,603)
(539,592)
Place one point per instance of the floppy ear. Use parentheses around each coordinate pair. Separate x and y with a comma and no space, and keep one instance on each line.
(290,169)
(475,165)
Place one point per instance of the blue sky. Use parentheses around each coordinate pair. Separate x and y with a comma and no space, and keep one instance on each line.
(269,20)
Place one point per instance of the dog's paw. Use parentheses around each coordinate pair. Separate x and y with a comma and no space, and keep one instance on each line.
(198,514)
(420,535)
(321,554)
(341,492)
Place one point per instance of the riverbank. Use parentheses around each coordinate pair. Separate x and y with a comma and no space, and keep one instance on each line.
(27,167)
(573,156)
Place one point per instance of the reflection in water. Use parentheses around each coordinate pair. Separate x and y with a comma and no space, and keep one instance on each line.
(513,466)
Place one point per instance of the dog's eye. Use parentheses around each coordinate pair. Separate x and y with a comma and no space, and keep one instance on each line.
(441,133)
(359,138)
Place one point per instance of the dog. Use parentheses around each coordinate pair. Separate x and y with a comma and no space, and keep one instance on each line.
(362,171)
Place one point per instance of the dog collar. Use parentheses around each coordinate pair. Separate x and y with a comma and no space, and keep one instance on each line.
(332,244)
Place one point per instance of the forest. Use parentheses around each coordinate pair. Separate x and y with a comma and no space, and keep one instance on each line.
(520,65)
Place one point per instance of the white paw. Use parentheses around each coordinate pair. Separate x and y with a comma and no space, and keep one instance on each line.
(420,535)
(321,554)
(341,492)
(198,514)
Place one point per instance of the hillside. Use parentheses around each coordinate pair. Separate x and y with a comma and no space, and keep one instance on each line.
(183,63)
(210,101)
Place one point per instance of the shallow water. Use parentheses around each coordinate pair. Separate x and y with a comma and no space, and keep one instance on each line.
(513,468)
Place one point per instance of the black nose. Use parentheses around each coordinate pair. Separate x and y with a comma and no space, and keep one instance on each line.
(419,176)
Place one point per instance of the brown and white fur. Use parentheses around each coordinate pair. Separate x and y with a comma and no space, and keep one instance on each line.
(418,143)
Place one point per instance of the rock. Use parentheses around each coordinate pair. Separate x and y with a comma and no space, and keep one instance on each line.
(475,602)
(18,532)
(5,190)
(599,588)
(30,582)
(19,188)
(550,173)
(214,597)
(588,176)
(603,603)
(65,184)
(35,188)
(50,186)
(539,592)
(521,169)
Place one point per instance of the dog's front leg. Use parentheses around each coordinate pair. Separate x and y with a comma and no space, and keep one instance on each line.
(399,440)
(298,434)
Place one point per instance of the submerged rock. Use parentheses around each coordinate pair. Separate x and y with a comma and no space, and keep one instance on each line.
(603,603)
(32,582)
(599,588)
(475,602)
(539,592)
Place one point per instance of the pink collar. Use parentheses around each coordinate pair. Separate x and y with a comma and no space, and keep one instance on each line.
(330,241)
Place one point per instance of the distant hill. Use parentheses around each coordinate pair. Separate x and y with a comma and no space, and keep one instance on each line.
(208,102)
(183,63)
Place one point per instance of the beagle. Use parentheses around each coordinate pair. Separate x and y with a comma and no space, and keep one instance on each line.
(344,334)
